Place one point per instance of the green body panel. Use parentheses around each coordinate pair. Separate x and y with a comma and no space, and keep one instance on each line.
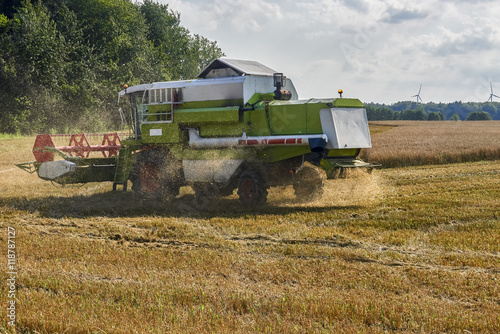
(124,164)
(207,115)
(211,104)
(347,103)
(313,108)
(222,130)
(169,133)
(287,117)
(352,152)
(302,116)
(261,97)
(259,125)
(278,153)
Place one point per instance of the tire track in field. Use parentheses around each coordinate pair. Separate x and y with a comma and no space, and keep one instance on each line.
(373,248)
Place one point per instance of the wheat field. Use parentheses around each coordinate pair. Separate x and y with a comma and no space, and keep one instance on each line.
(410,143)
(413,249)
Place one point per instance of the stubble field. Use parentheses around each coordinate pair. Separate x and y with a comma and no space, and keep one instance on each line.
(412,249)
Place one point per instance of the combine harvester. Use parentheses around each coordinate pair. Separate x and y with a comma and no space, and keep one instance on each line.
(240,126)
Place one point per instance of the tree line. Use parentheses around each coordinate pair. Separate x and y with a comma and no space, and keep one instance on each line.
(62,62)
(407,110)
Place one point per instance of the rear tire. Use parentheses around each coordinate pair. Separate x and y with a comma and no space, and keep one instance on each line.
(156,175)
(252,189)
(309,184)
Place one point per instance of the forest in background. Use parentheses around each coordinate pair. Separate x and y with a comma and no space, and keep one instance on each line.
(63,61)
(413,111)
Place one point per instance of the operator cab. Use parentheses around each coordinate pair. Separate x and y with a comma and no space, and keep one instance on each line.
(223,83)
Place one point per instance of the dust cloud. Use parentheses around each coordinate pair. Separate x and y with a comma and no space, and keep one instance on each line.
(359,188)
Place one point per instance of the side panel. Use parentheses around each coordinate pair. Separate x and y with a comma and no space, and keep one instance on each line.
(287,118)
(278,153)
(313,108)
(211,104)
(258,122)
(209,115)
(160,133)
(346,128)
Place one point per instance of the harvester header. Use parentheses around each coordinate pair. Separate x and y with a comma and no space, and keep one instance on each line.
(239,125)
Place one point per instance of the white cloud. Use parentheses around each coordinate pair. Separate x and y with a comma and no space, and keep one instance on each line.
(236,15)
(472,37)
(400,15)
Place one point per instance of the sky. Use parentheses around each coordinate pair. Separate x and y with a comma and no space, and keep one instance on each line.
(377,51)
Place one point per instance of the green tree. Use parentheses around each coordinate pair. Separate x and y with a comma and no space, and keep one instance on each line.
(455,117)
(435,116)
(479,116)
(413,115)
(379,114)
(33,62)
(403,105)
(386,114)
(201,53)
(38,47)
(62,61)
(183,56)
(371,113)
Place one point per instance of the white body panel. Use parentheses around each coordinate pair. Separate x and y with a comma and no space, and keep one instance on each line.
(345,127)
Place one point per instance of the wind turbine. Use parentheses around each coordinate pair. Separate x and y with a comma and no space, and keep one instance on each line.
(491,95)
(418,95)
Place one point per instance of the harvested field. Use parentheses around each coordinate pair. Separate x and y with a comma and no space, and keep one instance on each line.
(416,143)
(411,249)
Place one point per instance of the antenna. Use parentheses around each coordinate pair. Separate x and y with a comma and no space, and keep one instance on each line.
(491,95)
(418,95)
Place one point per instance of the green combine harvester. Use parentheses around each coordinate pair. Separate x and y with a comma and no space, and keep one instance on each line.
(240,125)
